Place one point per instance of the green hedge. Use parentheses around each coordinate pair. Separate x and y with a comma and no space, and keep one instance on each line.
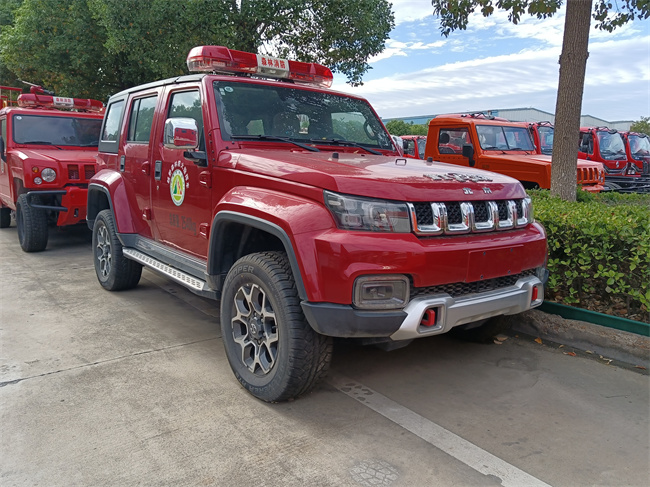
(599,251)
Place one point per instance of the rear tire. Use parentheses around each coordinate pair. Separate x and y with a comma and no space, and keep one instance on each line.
(485,331)
(114,271)
(271,348)
(5,217)
(31,224)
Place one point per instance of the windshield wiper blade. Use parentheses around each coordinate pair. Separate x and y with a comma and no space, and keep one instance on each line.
(41,142)
(344,142)
(276,137)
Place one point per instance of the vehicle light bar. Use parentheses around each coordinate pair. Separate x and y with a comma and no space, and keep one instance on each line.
(219,59)
(32,100)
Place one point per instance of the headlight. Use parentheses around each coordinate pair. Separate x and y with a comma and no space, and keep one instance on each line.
(369,215)
(48,175)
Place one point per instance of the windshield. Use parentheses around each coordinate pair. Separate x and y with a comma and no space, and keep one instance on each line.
(503,137)
(546,139)
(49,130)
(611,145)
(639,146)
(299,115)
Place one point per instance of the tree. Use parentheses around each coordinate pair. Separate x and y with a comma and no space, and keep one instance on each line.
(641,126)
(454,15)
(91,48)
(400,127)
(7,9)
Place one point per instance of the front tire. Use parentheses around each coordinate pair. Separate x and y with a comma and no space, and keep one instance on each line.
(31,224)
(271,348)
(114,271)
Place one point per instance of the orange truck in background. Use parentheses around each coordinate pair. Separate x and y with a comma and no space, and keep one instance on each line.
(501,146)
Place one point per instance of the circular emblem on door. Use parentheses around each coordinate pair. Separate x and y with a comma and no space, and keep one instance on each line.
(177,187)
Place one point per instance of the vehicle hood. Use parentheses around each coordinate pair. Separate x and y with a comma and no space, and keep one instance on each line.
(389,177)
(534,158)
(52,157)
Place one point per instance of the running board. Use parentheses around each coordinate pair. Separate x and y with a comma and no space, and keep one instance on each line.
(194,284)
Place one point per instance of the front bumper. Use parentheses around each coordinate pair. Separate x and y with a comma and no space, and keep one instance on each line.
(72,209)
(345,321)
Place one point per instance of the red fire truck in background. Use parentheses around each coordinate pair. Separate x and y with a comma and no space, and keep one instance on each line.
(48,149)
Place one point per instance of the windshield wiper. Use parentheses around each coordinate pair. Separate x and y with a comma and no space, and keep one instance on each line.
(41,142)
(344,142)
(276,137)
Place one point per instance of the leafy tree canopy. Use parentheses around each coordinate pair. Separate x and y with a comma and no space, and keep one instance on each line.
(454,14)
(400,127)
(97,47)
(641,126)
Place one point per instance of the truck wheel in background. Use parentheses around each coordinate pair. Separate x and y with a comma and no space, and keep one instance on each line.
(114,271)
(272,350)
(483,331)
(31,224)
(5,217)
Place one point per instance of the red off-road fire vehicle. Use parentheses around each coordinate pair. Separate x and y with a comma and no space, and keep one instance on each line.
(48,148)
(414,145)
(254,183)
(624,172)
(499,145)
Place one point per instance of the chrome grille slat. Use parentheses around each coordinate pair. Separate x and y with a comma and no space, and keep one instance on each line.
(461,217)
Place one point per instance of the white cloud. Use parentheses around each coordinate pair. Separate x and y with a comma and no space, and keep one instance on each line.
(524,79)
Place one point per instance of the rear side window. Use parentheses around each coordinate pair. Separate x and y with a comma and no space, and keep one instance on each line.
(141,119)
(111,128)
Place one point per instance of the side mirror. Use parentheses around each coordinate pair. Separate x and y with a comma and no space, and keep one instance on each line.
(181,133)
(468,151)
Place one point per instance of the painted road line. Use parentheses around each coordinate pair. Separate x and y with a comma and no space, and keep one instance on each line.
(450,443)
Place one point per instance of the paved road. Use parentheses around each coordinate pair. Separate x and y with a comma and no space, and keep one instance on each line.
(133,388)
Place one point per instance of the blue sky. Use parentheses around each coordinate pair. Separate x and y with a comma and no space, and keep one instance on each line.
(495,64)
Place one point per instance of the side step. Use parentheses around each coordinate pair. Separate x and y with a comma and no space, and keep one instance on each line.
(197,286)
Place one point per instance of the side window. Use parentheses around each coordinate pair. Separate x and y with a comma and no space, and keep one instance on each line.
(422,144)
(3,136)
(451,141)
(111,130)
(409,147)
(141,119)
(187,104)
(586,144)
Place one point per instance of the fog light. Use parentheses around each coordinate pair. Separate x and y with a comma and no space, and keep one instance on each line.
(38,180)
(381,292)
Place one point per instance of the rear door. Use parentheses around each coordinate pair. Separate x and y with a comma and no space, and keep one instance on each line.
(180,199)
(135,160)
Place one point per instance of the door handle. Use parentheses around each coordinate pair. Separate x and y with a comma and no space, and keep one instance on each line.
(158,170)
(205,179)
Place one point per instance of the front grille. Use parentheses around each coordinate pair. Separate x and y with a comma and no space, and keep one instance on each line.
(453,218)
(73,172)
(89,171)
(453,213)
(587,175)
(459,289)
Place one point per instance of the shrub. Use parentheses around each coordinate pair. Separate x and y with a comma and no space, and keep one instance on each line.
(599,251)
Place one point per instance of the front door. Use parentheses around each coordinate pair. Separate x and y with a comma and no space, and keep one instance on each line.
(181,201)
